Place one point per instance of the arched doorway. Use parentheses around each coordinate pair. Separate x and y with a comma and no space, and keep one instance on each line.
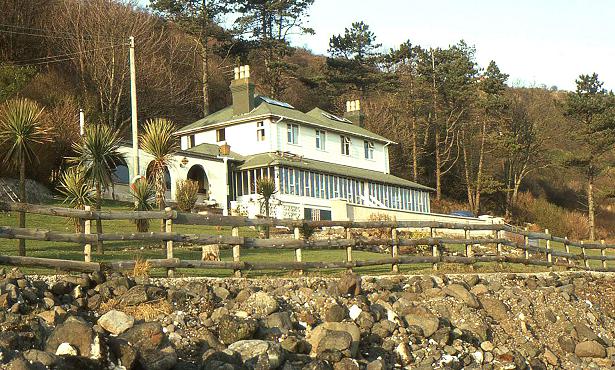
(121,175)
(197,173)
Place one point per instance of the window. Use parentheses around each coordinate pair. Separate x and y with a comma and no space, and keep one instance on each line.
(292,133)
(191,141)
(321,136)
(369,149)
(220,134)
(345,140)
(260,131)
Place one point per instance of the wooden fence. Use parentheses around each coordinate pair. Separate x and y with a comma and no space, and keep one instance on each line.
(502,236)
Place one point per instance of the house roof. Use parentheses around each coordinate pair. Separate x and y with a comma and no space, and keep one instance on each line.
(272,159)
(211,150)
(264,107)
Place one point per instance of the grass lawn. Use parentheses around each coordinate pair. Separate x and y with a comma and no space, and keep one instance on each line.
(129,250)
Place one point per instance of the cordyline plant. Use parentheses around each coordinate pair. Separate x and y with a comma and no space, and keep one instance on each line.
(21,129)
(144,196)
(158,141)
(98,156)
(77,191)
(265,187)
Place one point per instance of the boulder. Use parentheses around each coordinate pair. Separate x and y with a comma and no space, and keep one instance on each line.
(76,333)
(495,308)
(335,313)
(135,296)
(116,322)
(590,348)
(232,329)
(349,284)
(260,304)
(461,293)
(424,319)
(321,330)
(155,351)
(269,355)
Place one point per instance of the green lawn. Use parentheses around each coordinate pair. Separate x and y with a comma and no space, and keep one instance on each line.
(129,250)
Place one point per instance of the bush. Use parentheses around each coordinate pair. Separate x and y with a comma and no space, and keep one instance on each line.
(187,191)
(144,195)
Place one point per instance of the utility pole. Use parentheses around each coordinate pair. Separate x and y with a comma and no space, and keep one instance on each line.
(133,108)
(81,122)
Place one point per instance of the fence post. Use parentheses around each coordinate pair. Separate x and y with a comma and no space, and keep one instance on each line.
(394,250)
(434,249)
(168,228)
(549,256)
(298,254)
(526,243)
(87,229)
(584,252)
(498,247)
(567,247)
(603,253)
(236,251)
(349,248)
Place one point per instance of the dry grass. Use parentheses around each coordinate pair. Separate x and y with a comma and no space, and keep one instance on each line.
(148,311)
(142,268)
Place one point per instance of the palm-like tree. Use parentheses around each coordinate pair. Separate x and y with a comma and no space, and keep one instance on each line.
(158,141)
(77,191)
(21,130)
(98,155)
(265,187)
(143,195)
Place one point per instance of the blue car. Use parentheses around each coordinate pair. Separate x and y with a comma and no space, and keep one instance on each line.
(462,213)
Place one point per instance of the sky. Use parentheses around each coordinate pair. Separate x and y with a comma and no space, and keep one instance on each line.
(536,42)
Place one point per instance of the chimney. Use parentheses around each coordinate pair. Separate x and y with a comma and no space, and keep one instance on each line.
(353,113)
(242,89)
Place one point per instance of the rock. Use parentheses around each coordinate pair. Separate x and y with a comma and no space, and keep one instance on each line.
(346,364)
(566,343)
(354,312)
(495,308)
(550,357)
(260,304)
(19,363)
(590,348)
(75,332)
(44,358)
(280,321)
(66,349)
(335,313)
(221,292)
(134,296)
(349,284)
(424,319)
(333,340)
(116,322)
(124,351)
(460,292)
(253,351)
(155,351)
(376,365)
(48,316)
(232,329)
(486,346)
(321,331)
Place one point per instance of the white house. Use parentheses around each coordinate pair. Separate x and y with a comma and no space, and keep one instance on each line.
(321,163)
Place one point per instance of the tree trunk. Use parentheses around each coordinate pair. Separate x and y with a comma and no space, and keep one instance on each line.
(415,161)
(267,215)
(466,168)
(99,226)
(205,77)
(438,168)
(590,208)
(479,172)
(22,198)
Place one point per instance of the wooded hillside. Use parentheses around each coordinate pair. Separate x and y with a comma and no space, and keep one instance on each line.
(518,152)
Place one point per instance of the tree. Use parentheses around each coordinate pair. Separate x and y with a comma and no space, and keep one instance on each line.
(593,107)
(158,141)
(476,133)
(353,61)
(144,195)
(97,153)
(76,190)
(13,79)
(198,19)
(267,24)
(21,130)
(265,187)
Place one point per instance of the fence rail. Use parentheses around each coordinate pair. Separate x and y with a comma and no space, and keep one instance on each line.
(500,235)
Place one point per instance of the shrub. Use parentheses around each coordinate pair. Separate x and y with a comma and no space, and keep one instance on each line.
(307,231)
(144,195)
(76,191)
(187,191)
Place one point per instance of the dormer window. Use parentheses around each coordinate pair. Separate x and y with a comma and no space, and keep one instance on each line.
(292,131)
(191,141)
(345,140)
(260,131)
(320,139)
(369,149)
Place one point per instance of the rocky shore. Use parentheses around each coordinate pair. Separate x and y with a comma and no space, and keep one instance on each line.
(495,321)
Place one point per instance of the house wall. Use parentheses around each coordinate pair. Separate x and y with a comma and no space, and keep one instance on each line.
(216,172)
(243,140)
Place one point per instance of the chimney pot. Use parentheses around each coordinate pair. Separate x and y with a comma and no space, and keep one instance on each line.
(353,112)
(242,90)
(347,105)
(236,70)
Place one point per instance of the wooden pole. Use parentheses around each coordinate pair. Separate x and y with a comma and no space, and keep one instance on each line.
(434,249)
(526,243)
(603,253)
(349,248)
(549,256)
(584,252)
(394,250)
(87,229)
(466,233)
(498,248)
(567,247)
(298,253)
(236,251)
(168,228)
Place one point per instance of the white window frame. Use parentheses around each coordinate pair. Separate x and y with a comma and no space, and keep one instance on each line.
(368,148)
(345,145)
(320,139)
(260,131)
(292,133)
